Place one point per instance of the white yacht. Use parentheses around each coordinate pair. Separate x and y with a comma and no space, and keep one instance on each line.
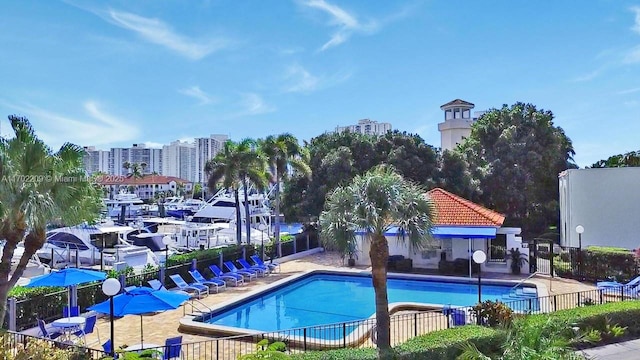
(131,204)
(222,208)
(88,244)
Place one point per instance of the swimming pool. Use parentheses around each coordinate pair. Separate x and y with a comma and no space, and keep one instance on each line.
(321,297)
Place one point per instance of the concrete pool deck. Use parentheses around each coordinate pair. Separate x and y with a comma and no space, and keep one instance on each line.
(161,326)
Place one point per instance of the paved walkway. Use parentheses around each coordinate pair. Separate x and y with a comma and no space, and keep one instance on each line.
(628,350)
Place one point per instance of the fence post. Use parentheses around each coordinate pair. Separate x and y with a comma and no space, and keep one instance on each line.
(621,293)
(101,261)
(304,335)
(601,297)
(194,264)
(221,261)
(295,243)
(551,256)
(344,335)
(163,275)
(308,242)
(555,303)
(533,259)
(415,324)
(11,306)
(123,282)
(77,259)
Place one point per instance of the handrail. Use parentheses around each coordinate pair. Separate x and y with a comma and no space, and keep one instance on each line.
(201,303)
(523,280)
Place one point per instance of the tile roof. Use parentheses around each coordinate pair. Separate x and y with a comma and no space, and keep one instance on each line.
(453,210)
(457,102)
(145,180)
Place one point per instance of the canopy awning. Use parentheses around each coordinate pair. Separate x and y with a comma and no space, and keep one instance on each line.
(465,232)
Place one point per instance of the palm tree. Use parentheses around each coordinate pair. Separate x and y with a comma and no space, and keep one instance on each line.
(251,171)
(143,166)
(126,165)
(373,203)
(283,152)
(224,167)
(57,190)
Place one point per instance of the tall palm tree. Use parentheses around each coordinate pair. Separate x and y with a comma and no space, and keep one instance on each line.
(283,152)
(251,171)
(38,186)
(224,167)
(126,165)
(373,203)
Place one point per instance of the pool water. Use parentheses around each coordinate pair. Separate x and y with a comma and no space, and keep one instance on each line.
(327,298)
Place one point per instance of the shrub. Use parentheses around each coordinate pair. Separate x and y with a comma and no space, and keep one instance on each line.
(267,351)
(447,344)
(493,314)
(339,354)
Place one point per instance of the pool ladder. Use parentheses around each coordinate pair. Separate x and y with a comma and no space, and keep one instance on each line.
(522,282)
(195,308)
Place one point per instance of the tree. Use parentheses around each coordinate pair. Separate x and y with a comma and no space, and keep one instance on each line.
(283,152)
(630,159)
(455,176)
(197,191)
(37,187)
(251,171)
(516,154)
(373,203)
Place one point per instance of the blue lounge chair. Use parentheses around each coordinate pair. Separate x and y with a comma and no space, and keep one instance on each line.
(155,284)
(45,333)
(236,279)
(89,327)
(273,266)
(172,348)
(611,284)
(199,289)
(199,279)
(234,270)
(244,265)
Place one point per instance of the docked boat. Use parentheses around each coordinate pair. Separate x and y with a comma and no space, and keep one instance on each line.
(91,244)
(124,206)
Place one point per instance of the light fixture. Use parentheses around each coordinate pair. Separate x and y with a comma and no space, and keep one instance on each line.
(111,287)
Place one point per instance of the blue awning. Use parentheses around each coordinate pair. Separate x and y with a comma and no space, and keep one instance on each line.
(466,232)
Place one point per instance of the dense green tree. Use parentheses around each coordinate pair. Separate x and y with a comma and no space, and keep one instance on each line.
(516,153)
(410,156)
(455,176)
(283,152)
(252,172)
(37,187)
(373,203)
(630,159)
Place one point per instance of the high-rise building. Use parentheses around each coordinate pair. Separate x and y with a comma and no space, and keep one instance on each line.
(206,149)
(149,158)
(367,127)
(96,160)
(179,160)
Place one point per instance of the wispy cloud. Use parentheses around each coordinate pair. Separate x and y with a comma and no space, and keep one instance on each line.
(346,22)
(633,56)
(151,144)
(636,24)
(300,80)
(629,91)
(96,128)
(588,76)
(197,93)
(158,32)
(254,104)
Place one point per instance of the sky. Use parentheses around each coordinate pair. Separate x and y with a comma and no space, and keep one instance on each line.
(114,73)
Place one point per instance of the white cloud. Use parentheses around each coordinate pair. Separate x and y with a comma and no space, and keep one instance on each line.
(346,23)
(96,128)
(197,93)
(151,144)
(588,76)
(158,32)
(254,104)
(636,25)
(189,140)
(629,91)
(633,56)
(298,79)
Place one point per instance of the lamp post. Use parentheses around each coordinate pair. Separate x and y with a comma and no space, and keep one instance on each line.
(580,230)
(111,287)
(479,257)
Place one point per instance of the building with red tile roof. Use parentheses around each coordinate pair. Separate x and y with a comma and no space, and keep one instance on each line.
(452,210)
(146,187)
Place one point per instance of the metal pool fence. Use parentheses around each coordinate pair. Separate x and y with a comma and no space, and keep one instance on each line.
(405,324)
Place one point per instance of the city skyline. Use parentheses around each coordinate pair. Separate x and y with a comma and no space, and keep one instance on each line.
(114,73)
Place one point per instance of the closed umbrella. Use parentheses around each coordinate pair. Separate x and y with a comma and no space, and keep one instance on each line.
(142,300)
(67,277)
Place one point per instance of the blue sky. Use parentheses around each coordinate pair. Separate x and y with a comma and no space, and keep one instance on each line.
(119,72)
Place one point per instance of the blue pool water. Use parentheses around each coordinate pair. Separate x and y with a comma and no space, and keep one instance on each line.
(327,298)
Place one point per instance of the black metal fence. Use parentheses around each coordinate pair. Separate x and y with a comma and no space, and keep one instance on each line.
(13,344)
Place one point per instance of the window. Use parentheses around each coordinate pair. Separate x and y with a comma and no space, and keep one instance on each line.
(497,248)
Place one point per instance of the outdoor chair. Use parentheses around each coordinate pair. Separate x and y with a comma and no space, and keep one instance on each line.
(609,284)
(244,265)
(45,333)
(173,348)
(234,270)
(155,284)
(236,279)
(107,347)
(272,265)
(89,327)
(199,279)
(199,289)
(75,311)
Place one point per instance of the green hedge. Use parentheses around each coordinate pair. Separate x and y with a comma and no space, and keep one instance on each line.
(446,344)
(598,263)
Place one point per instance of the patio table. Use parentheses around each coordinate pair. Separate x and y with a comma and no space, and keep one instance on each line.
(69,325)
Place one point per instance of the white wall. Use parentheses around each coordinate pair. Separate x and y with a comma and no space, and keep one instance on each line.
(606,202)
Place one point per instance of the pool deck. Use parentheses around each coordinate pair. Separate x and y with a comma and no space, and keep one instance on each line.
(161,326)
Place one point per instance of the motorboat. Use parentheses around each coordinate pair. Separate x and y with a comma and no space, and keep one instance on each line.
(92,244)
(125,205)
(222,209)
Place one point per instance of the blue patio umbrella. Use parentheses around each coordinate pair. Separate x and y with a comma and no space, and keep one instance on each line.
(67,277)
(142,300)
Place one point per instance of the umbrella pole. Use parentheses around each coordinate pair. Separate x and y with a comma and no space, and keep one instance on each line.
(141,333)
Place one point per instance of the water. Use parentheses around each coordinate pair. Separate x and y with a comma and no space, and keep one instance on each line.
(293,228)
(325,298)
